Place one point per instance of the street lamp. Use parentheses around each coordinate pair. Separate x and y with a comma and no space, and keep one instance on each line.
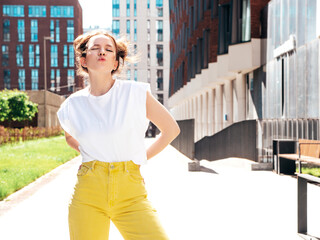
(45,78)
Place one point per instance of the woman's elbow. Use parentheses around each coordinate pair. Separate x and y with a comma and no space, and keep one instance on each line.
(175,131)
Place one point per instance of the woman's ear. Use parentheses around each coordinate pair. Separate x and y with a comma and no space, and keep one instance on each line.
(83,62)
(115,65)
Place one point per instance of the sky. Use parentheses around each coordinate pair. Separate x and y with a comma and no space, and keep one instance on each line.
(96,13)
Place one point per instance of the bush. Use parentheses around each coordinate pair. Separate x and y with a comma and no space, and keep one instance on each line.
(15,106)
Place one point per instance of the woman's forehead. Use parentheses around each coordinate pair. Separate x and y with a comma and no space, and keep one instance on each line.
(101,40)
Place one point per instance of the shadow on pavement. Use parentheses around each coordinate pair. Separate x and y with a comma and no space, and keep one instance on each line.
(207,170)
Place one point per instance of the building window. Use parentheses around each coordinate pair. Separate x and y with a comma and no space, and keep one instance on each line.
(6,78)
(116,27)
(71,56)
(159,28)
(135,53)
(54,55)
(128,26)
(13,10)
(52,30)
(246,22)
(160,55)
(6,30)
(70,80)
(206,47)
(37,55)
(37,11)
(129,74)
(159,6)
(62,11)
(136,75)
(224,28)
(148,59)
(52,79)
(58,80)
(148,31)
(19,55)
(5,55)
(135,31)
(31,55)
(135,8)
(159,80)
(22,79)
(160,98)
(115,8)
(65,55)
(34,79)
(57,31)
(34,30)
(214,5)
(128,8)
(70,31)
(21,30)
(149,76)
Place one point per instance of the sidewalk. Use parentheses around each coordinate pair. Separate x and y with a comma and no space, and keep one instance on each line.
(225,202)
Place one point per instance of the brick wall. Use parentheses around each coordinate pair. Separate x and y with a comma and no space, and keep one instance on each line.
(43,30)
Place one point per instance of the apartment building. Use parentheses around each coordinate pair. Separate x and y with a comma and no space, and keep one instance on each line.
(28,27)
(217,67)
(145,24)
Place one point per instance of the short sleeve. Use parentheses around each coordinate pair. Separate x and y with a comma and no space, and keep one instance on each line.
(63,116)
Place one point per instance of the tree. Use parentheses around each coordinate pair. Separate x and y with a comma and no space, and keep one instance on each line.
(15,106)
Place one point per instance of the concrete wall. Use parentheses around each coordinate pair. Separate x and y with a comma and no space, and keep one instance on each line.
(52,105)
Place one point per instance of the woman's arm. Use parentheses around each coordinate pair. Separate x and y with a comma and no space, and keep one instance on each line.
(162,118)
(71,141)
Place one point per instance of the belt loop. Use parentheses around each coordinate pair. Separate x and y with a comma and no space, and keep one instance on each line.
(126,166)
(93,164)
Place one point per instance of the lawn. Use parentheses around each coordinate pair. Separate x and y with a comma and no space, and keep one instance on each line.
(310,170)
(22,163)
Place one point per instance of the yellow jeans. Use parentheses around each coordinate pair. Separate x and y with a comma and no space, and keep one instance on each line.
(116,192)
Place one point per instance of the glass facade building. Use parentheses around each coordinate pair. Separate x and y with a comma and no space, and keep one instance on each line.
(146,25)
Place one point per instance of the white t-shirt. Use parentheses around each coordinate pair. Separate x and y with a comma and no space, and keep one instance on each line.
(110,127)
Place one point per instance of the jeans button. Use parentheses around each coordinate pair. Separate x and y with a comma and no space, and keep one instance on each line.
(112,166)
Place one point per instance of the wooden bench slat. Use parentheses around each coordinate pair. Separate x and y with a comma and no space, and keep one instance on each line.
(303,158)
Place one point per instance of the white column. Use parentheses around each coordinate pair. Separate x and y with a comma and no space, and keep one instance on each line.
(210,118)
(229,103)
(204,117)
(219,108)
(199,110)
(241,93)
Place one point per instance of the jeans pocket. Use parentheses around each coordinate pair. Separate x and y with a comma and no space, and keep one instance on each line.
(83,170)
(135,175)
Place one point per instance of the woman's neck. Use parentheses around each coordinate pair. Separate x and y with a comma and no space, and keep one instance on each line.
(100,83)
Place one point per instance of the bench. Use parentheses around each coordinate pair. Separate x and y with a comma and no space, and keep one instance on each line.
(307,151)
(303,180)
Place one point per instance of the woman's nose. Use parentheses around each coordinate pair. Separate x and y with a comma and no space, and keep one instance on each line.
(102,53)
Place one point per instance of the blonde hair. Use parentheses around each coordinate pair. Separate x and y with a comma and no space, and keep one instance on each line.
(122,46)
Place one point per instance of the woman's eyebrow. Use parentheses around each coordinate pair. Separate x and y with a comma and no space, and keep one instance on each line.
(107,45)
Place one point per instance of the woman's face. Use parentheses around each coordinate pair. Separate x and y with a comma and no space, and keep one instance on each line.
(101,55)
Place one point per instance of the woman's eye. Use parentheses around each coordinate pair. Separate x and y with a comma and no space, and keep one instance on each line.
(109,50)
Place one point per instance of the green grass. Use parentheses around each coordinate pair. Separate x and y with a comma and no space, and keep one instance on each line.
(22,163)
(310,170)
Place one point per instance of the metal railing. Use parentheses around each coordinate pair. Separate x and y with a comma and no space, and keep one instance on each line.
(284,129)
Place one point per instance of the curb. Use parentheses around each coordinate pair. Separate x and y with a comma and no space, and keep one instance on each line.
(20,195)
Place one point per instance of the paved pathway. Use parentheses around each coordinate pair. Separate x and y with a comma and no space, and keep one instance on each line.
(225,202)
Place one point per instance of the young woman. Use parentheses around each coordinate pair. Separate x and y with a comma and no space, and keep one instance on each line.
(106,122)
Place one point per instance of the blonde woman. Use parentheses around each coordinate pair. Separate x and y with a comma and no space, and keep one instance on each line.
(106,122)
